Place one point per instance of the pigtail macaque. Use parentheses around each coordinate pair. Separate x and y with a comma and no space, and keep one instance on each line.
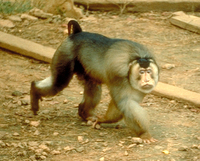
(126,67)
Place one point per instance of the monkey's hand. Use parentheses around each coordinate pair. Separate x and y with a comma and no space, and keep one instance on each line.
(146,137)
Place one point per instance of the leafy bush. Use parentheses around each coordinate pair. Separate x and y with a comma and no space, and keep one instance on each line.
(18,6)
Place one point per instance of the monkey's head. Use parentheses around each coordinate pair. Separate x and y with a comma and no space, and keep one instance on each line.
(143,74)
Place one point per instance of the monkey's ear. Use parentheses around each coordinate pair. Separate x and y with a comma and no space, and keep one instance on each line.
(132,63)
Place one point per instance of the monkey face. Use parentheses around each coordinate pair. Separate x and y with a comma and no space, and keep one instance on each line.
(143,79)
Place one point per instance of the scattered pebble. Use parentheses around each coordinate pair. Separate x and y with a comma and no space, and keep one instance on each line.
(168,66)
(89,123)
(194,146)
(38,151)
(32,158)
(99,140)
(28,17)
(24,102)
(15,134)
(40,14)
(2,144)
(80,139)
(14,18)
(97,145)
(17,93)
(48,99)
(44,153)
(27,122)
(165,151)
(6,23)
(132,145)
(106,149)
(67,148)
(43,157)
(54,42)
(65,101)
(35,123)
(48,143)
(55,134)
(55,152)
(80,149)
(97,126)
(23,153)
(183,148)
(102,159)
(103,134)
(45,112)
(19,145)
(33,143)
(126,153)
(44,147)
(36,133)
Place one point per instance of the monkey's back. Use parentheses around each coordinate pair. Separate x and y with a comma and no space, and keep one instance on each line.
(94,53)
(90,50)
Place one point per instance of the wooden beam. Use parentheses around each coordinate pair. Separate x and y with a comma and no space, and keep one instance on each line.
(177,93)
(188,22)
(26,47)
(141,5)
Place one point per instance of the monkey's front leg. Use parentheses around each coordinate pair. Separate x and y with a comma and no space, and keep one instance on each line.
(134,116)
(137,119)
(112,115)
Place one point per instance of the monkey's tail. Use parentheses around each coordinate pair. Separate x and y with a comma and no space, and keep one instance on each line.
(73,27)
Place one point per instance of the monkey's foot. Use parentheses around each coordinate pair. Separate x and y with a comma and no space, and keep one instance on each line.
(93,122)
(92,118)
(96,125)
(146,137)
(34,97)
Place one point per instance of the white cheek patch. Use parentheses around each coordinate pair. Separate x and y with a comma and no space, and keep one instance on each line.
(134,75)
(155,72)
(44,83)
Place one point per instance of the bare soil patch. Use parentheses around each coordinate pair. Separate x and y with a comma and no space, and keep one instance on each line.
(57,133)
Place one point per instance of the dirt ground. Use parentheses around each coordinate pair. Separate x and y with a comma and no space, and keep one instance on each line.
(57,133)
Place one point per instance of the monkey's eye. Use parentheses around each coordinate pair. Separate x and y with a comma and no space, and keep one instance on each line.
(149,71)
(141,72)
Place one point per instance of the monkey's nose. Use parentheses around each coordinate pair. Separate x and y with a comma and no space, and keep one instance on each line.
(147,78)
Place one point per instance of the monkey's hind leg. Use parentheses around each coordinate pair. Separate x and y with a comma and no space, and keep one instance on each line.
(47,87)
(91,98)
(59,79)
(39,89)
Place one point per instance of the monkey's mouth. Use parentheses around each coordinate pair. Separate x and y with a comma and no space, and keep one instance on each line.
(147,86)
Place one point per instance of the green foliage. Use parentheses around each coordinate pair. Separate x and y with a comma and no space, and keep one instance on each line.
(18,6)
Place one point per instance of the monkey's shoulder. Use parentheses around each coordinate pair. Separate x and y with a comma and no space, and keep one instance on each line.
(100,44)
